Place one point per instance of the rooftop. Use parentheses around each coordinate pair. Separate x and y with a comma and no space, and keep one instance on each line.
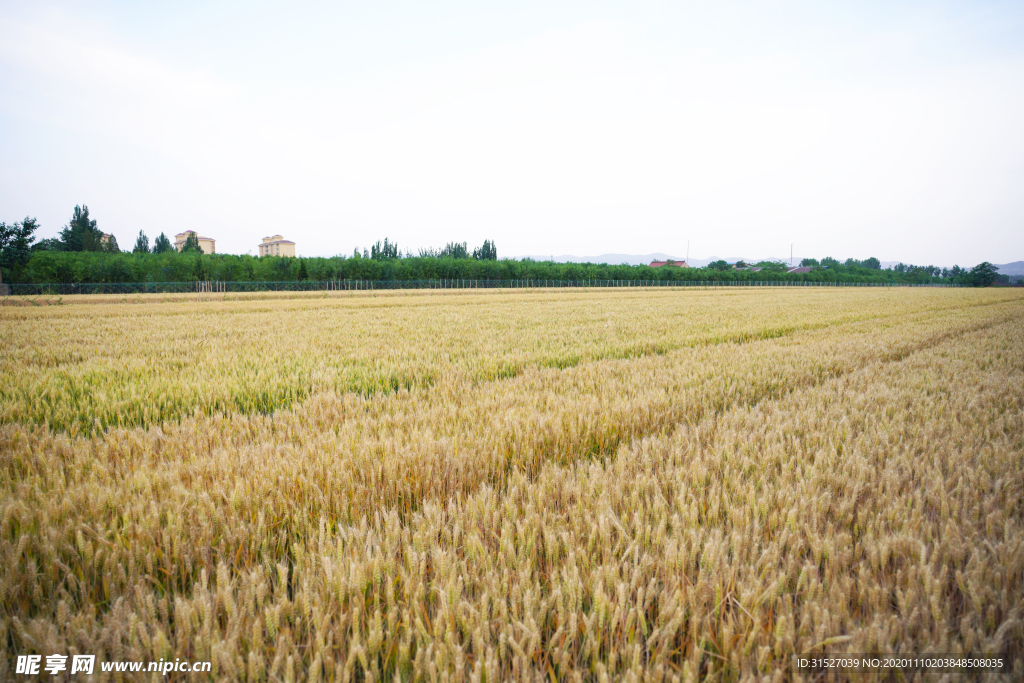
(185,235)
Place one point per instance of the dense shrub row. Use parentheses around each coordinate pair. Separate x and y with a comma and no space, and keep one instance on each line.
(84,267)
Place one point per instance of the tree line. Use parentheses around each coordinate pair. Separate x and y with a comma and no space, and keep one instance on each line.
(982,275)
(389,251)
(18,244)
(82,253)
(172,266)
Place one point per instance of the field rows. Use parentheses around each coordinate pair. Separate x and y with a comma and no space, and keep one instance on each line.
(665,487)
(86,368)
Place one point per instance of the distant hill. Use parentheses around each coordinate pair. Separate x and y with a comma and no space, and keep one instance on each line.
(1015,268)
(644,259)
(611,259)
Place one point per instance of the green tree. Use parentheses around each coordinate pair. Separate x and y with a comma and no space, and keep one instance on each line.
(48,244)
(108,243)
(809,262)
(718,265)
(384,252)
(984,274)
(454,250)
(191,244)
(872,263)
(16,243)
(162,244)
(200,265)
(141,244)
(81,233)
(303,274)
(488,252)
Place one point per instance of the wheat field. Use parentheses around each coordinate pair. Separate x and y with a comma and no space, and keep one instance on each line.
(579,485)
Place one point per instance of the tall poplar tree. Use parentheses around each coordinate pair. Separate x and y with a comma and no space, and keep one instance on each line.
(141,244)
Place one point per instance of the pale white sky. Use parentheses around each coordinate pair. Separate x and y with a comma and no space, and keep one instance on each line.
(856,129)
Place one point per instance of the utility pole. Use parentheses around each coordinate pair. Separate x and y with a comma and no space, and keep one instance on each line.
(790,254)
(687,252)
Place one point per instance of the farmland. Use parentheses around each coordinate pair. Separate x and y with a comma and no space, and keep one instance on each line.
(605,485)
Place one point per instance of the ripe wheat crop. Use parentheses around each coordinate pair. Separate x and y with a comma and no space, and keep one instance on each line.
(613,485)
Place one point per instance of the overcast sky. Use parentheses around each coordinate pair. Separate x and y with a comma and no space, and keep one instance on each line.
(889,129)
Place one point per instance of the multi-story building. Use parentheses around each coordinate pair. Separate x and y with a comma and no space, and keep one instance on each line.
(207,244)
(276,245)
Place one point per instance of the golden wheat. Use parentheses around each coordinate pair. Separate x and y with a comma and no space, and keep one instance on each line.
(581,485)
